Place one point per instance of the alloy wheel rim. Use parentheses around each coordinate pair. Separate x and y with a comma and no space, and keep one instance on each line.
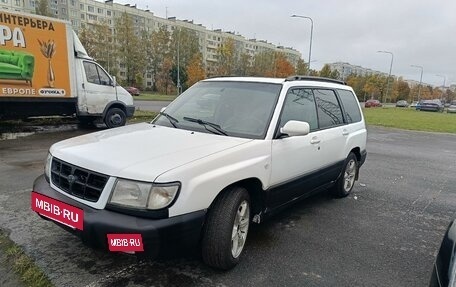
(240,229)
(349,175)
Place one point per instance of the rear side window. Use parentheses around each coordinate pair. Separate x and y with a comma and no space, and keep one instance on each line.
(328,108)
(350,103)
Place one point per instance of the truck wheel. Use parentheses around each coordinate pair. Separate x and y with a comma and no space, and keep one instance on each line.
(226,228)
(346,181)
(115,117)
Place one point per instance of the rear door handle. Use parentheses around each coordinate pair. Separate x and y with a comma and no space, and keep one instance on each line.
(345,132)
(315,140)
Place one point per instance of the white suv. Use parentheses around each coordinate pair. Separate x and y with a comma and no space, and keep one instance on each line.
(225,153)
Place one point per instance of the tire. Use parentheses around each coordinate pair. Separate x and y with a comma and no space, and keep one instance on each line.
(115,117)
(226,228)
(346,181)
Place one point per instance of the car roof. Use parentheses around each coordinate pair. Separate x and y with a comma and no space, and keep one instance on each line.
(303,80)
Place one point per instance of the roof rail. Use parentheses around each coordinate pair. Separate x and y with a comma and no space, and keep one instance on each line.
(312,78)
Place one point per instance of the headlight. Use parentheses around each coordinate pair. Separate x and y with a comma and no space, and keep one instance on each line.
(143,195)
(47,166)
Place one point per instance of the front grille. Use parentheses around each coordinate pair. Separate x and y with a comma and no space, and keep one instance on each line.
(77,181)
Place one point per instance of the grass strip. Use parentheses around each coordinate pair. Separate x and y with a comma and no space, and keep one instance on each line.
(410,119)
(154,97)
(24,266)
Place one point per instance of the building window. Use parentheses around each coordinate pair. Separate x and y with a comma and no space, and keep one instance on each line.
(91,17)
(32,3)
(4,1)
(72,3)
(63,11)
(81,6)
(109,21)
(122,74)
(108,12)
(90,9)
(82,16)
(100,11)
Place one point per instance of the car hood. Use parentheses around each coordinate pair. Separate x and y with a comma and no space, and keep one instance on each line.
(140,151)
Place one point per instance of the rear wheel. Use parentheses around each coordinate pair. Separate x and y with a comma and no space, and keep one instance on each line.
(346,181)
(115,117)
(226,228)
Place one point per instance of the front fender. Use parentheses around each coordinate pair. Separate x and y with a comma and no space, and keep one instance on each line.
(205,178)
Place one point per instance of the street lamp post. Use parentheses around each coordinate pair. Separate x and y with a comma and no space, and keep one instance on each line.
(178,64)
(389,75)
(444,83)
(311,35)
(421,81)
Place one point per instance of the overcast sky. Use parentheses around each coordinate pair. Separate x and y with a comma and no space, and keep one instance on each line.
(417,32)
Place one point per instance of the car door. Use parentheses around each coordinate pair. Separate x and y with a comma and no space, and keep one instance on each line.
(333,132)
(295,160)
(98,88)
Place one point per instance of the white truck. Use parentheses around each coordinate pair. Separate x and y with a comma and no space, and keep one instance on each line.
(45,70)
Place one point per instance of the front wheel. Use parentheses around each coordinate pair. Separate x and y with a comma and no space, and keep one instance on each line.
(115,117)
(226,228)
(346,181)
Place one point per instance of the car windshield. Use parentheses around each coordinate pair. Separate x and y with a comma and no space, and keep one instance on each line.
(240,109)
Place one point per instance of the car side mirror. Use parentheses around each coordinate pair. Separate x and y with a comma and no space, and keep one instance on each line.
(295,128)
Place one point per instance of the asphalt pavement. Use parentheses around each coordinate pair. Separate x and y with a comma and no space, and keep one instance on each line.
(386,233)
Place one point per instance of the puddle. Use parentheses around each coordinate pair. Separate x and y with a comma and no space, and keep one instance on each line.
(15,133)
(13,136)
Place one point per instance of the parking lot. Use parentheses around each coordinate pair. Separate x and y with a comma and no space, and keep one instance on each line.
(386,233)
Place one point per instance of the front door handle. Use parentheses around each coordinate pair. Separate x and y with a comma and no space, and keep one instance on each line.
(315,140)
(345,132)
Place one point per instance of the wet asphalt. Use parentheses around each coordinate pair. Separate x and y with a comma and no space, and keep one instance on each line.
(386,233)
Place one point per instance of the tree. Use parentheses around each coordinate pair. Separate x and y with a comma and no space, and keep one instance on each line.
(160,50)
(243,65)
(42,8)
(129,48)
(401,90)
(163,79)
(226,56)
(263,64)
(282,67)
(195,70)
(301,67)
(182,75)
(325,71)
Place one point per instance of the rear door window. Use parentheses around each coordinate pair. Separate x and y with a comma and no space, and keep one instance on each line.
(328,108)
(350,103)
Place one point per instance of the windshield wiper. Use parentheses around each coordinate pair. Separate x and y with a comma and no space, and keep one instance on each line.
(170,118)
(216,127)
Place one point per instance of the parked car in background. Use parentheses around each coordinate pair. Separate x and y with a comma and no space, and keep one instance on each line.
(133,91)
(431,106)
(402,104)
(414,104)
(452,107)
(372,104)
(444,271)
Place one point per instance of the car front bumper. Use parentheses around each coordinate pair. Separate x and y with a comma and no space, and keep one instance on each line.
(160,237)
(130,111)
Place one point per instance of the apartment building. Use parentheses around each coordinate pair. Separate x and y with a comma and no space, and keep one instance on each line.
(87,12)
(346,69)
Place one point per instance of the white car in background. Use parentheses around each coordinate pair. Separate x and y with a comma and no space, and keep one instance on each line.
(224,154)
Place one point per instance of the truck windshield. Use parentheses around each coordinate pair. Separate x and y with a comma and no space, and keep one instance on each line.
(240,109)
